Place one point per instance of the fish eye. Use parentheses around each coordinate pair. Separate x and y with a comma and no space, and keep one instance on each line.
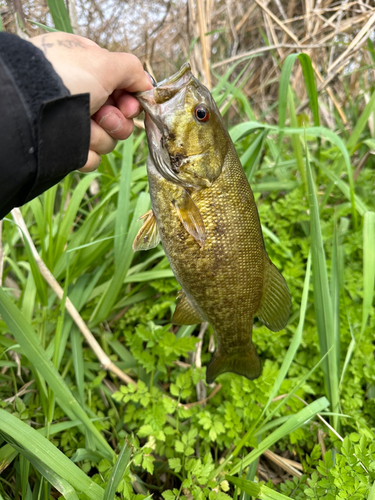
(201,113)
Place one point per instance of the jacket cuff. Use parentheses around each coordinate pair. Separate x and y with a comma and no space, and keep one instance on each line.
(45,132)
(63,140)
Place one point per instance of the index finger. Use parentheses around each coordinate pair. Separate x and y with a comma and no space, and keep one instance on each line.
(127,73)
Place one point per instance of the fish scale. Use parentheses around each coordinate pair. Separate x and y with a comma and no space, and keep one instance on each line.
(204,213)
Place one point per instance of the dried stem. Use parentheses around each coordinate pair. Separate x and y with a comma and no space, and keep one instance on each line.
(277,21)
(105,362)
(362,36)
(245,55)
(245,17)
(200,387)
(21,392)
(232,27)
(281,462)
(202,34)
(72,8)
(204,401)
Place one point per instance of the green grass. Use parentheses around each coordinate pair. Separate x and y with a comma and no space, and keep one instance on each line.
(77,431)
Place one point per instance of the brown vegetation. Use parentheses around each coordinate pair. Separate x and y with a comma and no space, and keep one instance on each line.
(258,34)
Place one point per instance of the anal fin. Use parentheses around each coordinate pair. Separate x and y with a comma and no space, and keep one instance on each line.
(244,362)
(185,314)
(275,305)
(148,236)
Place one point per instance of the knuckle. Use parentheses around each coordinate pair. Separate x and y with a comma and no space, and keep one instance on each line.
(93,162)
(101,142)
(133,60)
(108,146)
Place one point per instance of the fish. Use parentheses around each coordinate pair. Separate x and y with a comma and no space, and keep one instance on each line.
(203,212)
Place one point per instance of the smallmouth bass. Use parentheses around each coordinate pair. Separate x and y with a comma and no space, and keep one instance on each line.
(204,213)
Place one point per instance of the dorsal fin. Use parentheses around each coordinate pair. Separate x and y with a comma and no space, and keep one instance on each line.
(185,314)
(148,236)
(275,305)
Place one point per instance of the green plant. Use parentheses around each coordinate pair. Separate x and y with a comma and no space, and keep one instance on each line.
(67,424)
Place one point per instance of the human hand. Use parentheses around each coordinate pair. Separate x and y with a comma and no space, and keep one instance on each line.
(108,77)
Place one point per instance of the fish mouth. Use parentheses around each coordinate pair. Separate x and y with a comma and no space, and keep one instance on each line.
(159,104)
(159,101)
(158,152)
(176,77)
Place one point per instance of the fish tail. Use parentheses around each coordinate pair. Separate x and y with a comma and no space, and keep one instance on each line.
(244,362)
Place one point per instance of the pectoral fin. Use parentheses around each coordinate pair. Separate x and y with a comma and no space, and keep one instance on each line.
(190,217)
(244,362)
(275,305)
(185,314)
(148,236)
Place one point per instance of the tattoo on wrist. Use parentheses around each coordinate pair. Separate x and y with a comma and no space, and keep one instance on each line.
(67,44)
(45,45)
(70,44)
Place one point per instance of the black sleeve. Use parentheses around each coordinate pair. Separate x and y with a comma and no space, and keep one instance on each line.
(44,131)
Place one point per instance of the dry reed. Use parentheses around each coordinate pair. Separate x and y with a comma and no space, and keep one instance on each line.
(164,34)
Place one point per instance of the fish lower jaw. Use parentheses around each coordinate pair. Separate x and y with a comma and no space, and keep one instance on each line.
(154,135)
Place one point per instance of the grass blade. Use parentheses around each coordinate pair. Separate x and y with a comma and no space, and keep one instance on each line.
(30,344)
(295,138)
(105,306)
(40,284)
(60,15)
(118,472)
(289,395)
(257,490)
(360,125)
(371,495)
(60,484)
(296,341)
(349,354)
(345,189)
(293,423)
(243,129)
(312,93)
(308,74)
(283,91)
(28,301)
(368,265)
(322,298)
(335,285)
(34,446)
(7,455)
(122,214)
(252,155)
(65,226)
(24,475)
(40,25)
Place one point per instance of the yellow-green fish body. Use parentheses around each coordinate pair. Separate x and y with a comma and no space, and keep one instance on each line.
(204,213)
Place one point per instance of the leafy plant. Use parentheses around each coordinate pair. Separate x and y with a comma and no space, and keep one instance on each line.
(69,427)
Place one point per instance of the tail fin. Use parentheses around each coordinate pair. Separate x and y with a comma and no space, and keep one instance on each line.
(244,362)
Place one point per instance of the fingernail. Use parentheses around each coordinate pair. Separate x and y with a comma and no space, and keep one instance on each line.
(111,122)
